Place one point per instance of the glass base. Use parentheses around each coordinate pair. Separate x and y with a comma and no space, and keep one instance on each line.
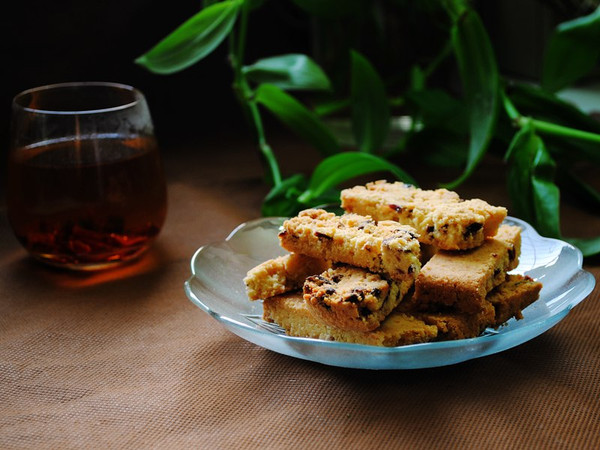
(71,263)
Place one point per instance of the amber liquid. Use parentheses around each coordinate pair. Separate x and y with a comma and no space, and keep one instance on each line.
(87,203)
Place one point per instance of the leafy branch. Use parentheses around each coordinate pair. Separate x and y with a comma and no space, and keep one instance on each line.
(545,136)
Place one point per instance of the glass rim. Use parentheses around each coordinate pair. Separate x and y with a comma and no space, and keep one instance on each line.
(138,96)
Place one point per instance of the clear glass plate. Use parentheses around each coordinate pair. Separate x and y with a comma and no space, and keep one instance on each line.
(216,286)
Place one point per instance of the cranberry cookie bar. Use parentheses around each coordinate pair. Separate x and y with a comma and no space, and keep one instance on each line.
(513,296)
(352,298)
(382,247)
(463,279)
(439,216)
(457,325)
(291,312)
(283,274)
(504,302)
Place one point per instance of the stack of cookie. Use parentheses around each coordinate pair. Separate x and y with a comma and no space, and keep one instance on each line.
(401,266)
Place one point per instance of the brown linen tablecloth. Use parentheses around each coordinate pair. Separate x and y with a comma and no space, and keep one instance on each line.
(122,359)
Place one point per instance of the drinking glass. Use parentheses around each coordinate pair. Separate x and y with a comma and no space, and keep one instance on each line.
(85,183)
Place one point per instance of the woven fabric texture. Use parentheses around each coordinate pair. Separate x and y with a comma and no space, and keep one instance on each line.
(123,360)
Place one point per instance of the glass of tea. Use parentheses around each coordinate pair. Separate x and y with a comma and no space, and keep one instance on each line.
(85,183)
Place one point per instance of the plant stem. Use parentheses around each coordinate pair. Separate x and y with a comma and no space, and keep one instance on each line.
(439,58)
(264,147)
(509,107)
(546,127)
(243,31)
(244,93)
(559,130)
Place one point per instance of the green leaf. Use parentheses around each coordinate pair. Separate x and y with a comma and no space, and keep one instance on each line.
(573,150)
(520,155)
(292,71)
(331,106)
(281,201)
(546,195)
(297,117)
(193,40)
(588,246)
(345,166)
(370,107)
(534,195)
(535,102)
(480,79)
(439,147)
(252,3)
(572,52)
(579,189)
(329,200)
(439,110)
(455,8)
(417,78)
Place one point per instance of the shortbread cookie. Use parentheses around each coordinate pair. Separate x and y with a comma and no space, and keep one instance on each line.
(283,274)
(504,302)
(457,325)
(291,312)
(513,296)
(440,216)
(382,247)
(351,298)
(462,279)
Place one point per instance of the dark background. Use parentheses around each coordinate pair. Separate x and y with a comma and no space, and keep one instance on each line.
(50,42)
(92,40)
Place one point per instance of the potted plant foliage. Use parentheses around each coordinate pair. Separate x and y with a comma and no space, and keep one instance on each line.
(541,136)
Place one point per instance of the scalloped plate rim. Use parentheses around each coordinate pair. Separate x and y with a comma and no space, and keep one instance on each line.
(544,323)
